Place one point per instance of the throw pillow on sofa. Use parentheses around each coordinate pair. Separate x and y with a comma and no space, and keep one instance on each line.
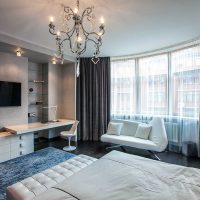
(143,131)
(114,128)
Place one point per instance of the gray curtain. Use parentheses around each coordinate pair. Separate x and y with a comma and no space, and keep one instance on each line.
(93,98)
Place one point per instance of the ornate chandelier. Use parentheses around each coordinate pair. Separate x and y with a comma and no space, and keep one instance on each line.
(76,32)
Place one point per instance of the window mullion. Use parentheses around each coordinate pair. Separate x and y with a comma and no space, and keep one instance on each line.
(170,85)
(137,85)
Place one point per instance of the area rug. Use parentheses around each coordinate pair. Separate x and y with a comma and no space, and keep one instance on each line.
(22,167)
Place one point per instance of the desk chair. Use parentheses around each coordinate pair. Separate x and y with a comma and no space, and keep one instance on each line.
(68,135)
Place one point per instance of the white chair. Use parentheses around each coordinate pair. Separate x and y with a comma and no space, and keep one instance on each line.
(68,135)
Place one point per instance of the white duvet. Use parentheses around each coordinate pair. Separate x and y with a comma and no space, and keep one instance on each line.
(120,176)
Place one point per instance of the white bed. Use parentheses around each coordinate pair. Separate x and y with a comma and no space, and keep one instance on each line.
(120,176)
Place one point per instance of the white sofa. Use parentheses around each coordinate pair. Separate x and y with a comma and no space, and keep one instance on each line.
(157,140)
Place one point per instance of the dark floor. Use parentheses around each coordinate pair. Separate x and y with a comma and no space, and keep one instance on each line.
(98,149)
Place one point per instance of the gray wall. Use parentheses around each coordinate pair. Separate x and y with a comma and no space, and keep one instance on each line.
(14,69)
(61,89)
(61,92)
(55,87)
(69,92)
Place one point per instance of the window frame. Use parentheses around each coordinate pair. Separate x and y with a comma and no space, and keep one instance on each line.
(170,81)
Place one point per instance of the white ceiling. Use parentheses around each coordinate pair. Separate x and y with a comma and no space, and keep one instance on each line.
(132,26)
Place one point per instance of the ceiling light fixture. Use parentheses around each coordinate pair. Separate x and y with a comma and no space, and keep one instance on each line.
(78,35)
(19,53)
(54,61)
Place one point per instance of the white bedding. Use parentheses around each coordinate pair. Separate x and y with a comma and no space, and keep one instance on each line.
(120,176)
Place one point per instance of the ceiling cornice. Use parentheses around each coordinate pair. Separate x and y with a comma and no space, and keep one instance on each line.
(167,49)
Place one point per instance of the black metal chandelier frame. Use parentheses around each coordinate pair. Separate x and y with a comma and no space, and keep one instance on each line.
(75,32)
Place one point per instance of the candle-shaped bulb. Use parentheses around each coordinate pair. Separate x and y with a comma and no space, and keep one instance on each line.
(19,53)
(58,33)
(79,39)
(102,20)
(51,19)
(54,61)
(76,10)
(100,34)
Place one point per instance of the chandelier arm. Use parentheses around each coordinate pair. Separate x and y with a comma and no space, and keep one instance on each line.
(68,10)
(86,34)
(70,44)
(96,43)
(84,49)
(103,30)
(87,38)
(68,17)
(87,12)
(68,33)
(52,29)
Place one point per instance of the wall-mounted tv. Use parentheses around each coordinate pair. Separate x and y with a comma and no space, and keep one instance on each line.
(10,94)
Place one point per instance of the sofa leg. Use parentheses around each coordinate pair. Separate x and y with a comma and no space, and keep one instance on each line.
(155,155)
(114,146)
(123,149)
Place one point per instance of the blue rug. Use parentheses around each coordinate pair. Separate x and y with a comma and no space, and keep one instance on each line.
(20,168)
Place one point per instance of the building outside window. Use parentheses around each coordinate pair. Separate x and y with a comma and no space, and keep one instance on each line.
(186,82)
(153,85)
(123,88)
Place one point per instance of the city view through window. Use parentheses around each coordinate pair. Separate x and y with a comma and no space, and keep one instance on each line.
(157,85)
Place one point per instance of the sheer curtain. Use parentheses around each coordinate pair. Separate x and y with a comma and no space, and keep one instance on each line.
(123,89)
(186,93)
(166,85)
(153,85)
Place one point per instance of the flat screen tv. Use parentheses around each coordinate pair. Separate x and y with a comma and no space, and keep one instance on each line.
(10,94)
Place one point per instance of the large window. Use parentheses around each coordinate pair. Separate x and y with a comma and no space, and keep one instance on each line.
(167,85)
(186,82)
(141,86)
(123,88)
(153,85)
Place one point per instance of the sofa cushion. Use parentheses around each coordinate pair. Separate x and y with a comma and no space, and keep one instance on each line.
(129,141)
(129,127)
(114,128)
(143,131)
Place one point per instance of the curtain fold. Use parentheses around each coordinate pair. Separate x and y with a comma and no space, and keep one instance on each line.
(93,98)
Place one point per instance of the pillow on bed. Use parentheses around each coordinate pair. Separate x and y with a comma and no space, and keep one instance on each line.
(143,131)
(114,128)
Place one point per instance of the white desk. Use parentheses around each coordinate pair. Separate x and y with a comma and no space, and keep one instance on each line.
(38,126)
(18,140)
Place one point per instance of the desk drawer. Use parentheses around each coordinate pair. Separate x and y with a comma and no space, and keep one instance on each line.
(21,152)
(22,137)
(17,146)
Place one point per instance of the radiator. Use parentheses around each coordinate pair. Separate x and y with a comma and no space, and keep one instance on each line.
(172,132)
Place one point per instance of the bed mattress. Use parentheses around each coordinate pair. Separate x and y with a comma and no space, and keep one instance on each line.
(120,176)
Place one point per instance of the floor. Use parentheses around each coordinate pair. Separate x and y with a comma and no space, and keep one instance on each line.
(98,149)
